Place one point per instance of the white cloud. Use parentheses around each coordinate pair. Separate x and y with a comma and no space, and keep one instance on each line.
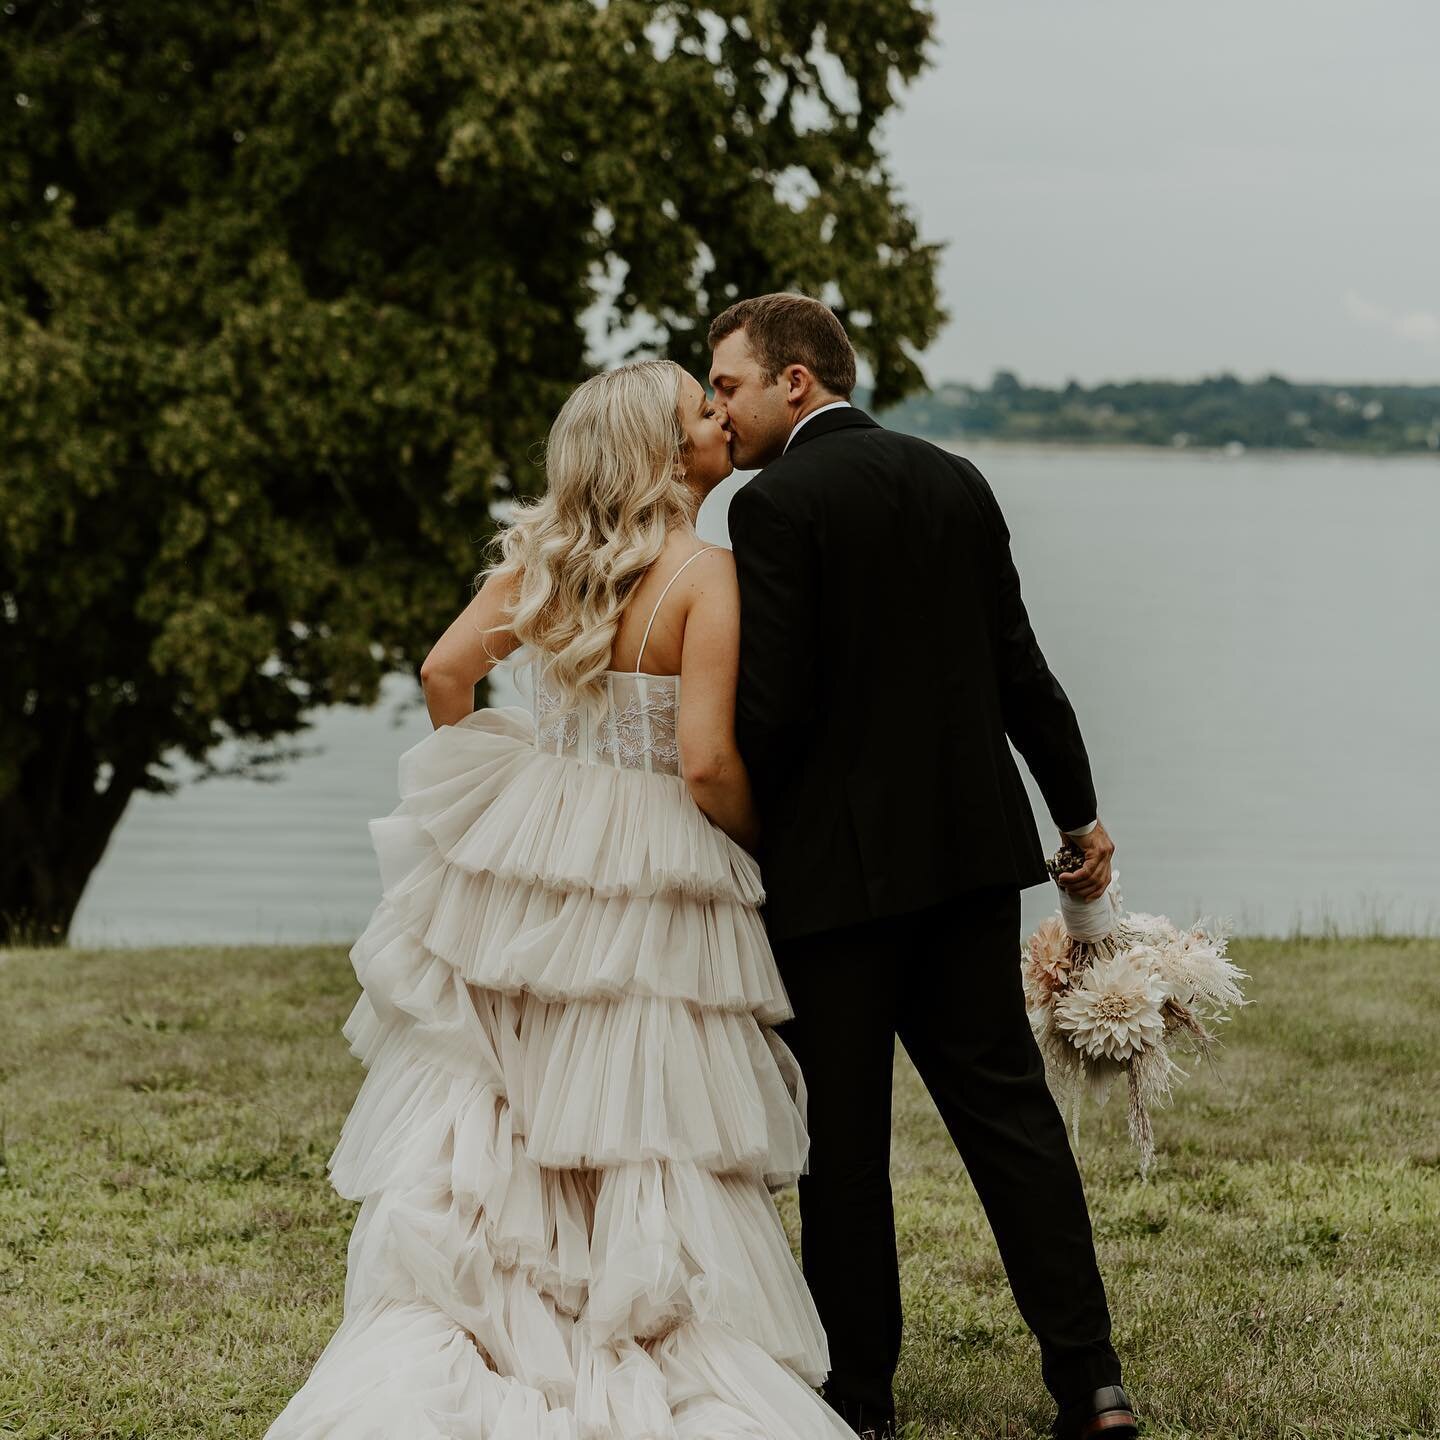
(1420,326)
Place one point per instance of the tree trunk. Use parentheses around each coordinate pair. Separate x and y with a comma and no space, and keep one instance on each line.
(54,827)
(39,895)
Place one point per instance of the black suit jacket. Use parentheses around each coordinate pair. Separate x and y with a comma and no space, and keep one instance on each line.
(885,655)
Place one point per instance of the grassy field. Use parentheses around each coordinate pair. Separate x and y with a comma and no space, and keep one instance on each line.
(171,1255)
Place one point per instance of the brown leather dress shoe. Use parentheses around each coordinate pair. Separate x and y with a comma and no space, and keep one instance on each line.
(1104,1414)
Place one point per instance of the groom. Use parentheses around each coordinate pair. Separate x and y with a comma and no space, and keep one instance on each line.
(885,656)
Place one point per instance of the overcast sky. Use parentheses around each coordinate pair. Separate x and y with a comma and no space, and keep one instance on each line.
(1144,187)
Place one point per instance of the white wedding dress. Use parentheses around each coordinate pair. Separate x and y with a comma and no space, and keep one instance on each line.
(574,1108)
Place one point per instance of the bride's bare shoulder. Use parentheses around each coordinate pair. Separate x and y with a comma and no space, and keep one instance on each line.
(696,573)
(713,565)
(712,589)
(699,558)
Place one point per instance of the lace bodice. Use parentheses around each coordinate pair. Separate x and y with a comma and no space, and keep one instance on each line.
(635,731)
(637,728)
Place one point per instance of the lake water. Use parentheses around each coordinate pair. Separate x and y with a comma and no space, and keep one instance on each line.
(1252,646)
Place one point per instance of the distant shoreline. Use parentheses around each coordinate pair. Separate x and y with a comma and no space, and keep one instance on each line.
(958,443)
(1220,415)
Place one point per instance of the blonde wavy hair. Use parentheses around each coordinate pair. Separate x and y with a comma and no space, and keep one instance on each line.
(615,465)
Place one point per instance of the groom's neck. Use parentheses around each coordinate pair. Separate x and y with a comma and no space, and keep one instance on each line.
(811,405)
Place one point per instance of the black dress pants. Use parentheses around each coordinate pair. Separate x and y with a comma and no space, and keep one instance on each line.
(946,980)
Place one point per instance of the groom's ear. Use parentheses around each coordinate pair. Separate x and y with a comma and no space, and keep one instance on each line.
(799,383)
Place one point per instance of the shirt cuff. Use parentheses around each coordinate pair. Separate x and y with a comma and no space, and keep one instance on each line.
(1083,830)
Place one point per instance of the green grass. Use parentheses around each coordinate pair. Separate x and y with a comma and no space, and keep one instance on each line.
(171,1255)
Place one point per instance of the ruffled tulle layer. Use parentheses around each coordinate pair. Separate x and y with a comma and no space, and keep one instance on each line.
(492,803)
(510,935)
(405,1372)
(621,1254)
(586,1083)
(572,1105)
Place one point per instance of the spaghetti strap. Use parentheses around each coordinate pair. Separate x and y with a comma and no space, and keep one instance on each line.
(645,639)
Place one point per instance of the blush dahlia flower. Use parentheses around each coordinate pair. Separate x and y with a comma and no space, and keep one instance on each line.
(1115,1009)
(1047,960)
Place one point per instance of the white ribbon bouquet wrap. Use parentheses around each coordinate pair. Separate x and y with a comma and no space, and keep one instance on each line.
(1110,992)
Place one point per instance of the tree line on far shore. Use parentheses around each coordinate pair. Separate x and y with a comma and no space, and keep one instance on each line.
(1220,411)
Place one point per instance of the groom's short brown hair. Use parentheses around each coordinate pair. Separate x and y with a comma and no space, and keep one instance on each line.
(786,329)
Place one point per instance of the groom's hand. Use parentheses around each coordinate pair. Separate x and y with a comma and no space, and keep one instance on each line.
(1090,880)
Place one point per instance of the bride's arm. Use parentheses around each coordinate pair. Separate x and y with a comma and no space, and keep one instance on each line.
(478,639)
(709,663)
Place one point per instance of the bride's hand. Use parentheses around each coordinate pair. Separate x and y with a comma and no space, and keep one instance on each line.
(1090,880)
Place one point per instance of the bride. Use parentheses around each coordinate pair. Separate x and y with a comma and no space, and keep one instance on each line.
(575,1109)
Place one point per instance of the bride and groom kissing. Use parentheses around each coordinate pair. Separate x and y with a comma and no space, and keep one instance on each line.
(644,950)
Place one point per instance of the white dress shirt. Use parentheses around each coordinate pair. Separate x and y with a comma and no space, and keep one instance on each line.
(833,405)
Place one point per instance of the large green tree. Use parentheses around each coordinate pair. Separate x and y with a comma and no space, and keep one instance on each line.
(290,290)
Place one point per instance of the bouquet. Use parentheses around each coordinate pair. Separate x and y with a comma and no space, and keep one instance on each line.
(1110,993)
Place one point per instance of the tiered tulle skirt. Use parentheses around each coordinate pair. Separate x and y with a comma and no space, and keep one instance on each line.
(572,1115)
